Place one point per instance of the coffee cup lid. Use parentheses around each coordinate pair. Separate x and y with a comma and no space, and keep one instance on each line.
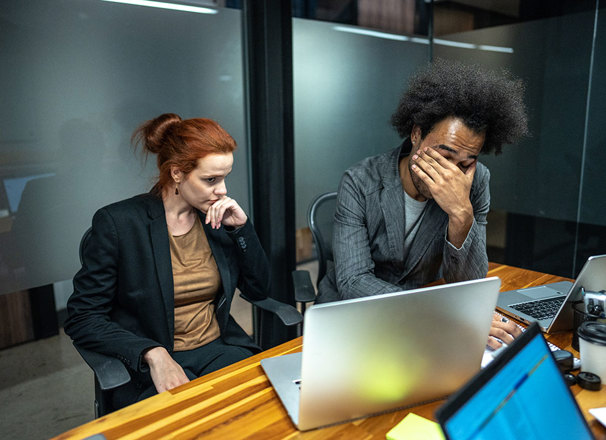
(594,332)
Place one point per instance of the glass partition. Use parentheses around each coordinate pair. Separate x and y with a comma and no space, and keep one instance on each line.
(592,204)
(347,83)
(78,77)
(536,184)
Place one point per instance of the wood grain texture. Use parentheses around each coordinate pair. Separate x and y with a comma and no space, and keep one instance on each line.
(238,401)
(16,325)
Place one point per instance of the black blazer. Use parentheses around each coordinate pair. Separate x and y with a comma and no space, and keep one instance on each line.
(123,300)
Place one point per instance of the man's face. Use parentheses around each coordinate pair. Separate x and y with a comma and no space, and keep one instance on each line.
(452,139)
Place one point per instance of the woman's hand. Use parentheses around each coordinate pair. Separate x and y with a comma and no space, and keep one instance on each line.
(165,372)
(226,212)
(502,329)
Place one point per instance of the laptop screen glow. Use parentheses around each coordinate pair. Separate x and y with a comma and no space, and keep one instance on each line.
(526,398)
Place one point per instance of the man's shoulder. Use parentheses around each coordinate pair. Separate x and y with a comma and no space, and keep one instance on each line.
(374,169)
(482,173)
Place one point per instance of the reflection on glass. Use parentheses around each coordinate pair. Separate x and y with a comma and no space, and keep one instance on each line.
(592,206)
(164,5)
(346,87)
(395,16)
(536,184)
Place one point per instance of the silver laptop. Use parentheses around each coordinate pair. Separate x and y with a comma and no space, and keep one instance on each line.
(550,305)
(376,354)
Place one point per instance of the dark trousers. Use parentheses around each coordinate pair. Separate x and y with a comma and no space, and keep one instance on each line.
(195,363)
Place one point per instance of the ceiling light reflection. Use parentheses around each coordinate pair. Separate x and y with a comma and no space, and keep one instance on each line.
(419,40)
(164,5)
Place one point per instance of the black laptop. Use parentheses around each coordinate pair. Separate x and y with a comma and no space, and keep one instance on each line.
(519,395)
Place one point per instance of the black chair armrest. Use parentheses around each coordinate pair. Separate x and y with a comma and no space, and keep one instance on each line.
(109,371)
(288,314)
(304,288)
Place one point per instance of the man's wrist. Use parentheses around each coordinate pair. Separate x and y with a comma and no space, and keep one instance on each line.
(459,226)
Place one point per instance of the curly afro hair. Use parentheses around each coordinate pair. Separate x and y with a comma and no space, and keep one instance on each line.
(484,100)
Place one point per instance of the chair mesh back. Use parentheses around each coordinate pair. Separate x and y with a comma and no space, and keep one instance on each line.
(321,219)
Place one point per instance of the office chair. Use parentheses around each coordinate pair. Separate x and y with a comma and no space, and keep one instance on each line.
(110,372)
(320,218)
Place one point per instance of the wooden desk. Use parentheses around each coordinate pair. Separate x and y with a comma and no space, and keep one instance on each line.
(238,401)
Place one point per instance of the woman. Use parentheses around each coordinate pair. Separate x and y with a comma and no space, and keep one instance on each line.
(160,269)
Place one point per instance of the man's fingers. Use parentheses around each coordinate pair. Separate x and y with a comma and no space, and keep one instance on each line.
(427,165)
(420,170)
(432,156)
(438,167)
(493,343)
(506,325)
(423,175)
(501,333)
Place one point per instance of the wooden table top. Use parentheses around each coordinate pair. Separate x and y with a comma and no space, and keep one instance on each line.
(238,402)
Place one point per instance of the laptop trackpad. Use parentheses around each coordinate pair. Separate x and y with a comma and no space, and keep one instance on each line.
(539,292)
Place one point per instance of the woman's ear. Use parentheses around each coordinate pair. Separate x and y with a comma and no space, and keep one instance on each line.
(176,174)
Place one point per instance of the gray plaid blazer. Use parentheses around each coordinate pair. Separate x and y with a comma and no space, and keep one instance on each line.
(368,235)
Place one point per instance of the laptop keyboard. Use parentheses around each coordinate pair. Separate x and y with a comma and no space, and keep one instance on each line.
(540,309)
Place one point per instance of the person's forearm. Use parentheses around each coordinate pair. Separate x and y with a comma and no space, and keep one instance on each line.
(459,224)
(254,277)
(470,260)
(364,285)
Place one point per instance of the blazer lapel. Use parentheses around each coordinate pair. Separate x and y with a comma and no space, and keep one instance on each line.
(392,202)
(392,205)
(161,247)
(214,242)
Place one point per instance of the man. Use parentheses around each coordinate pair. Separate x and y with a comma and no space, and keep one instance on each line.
(418,213)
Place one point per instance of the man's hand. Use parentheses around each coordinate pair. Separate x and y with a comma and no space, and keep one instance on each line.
(165,372)
(503,329)
(450,188)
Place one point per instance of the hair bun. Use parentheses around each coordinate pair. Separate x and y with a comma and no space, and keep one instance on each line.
(152,133)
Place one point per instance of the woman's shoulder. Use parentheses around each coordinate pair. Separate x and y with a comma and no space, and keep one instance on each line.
(140,206)
(140,201)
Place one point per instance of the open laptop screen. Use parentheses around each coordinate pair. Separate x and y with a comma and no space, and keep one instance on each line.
(521,394)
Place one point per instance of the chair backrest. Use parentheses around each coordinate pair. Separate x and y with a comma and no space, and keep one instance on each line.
(83,242)
(320,218)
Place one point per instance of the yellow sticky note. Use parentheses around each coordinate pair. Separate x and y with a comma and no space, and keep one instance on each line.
(414,427)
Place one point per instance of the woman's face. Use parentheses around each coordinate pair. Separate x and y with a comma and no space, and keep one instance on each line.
(206,183)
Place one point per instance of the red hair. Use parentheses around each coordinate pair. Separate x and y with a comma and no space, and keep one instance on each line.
(181,143)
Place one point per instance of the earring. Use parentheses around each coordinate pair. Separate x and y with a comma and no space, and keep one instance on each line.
(176,190)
